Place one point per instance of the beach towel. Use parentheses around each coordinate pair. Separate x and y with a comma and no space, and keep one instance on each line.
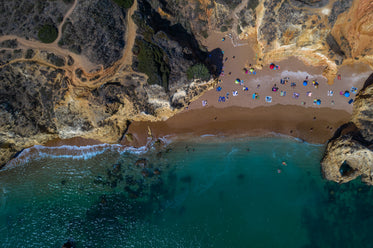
(283,93)
(295,95)
(309,93)
(268,99)
(353,90)
(255,96)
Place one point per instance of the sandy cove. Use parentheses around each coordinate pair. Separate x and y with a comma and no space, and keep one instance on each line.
(241,115)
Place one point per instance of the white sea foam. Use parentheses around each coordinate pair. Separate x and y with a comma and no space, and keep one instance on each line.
(70,152)
(207,135)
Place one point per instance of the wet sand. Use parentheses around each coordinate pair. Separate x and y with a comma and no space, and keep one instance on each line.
(308,124)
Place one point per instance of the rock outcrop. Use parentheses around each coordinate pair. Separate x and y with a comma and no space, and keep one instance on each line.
(349,154)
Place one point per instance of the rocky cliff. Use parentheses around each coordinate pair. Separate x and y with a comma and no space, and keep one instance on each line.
(93,76)
(349,154)
(88,68)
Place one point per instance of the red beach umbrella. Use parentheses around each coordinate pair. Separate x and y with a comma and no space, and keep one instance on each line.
(271,66)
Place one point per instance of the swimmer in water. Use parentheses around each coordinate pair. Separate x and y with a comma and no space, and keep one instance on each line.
(284,163)
(279,171)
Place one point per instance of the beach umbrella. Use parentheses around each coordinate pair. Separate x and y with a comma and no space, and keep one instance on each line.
(237,81)
(346,94)
(251,69)
(305,83)
(218,89)
(271,66)
(318,102)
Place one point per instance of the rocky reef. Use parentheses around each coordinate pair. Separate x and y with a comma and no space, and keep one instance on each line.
(349,154)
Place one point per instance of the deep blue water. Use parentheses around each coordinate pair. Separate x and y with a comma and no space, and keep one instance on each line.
(208,193)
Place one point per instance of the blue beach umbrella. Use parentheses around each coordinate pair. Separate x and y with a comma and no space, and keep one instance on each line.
(218,89)
(318,102)
(305,83)
(346,94)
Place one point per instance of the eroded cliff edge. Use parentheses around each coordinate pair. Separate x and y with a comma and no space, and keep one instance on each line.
(349,154)
(87,69)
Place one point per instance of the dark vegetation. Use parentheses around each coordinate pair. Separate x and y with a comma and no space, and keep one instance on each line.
(29,54)
(198,71)
(151,61)
(55,60)
(26,105)
(124,3)
(232,4)
(252,4)
(96,29)
(166,51)
(48,33)
(27,18)
(9,43)
(223,29)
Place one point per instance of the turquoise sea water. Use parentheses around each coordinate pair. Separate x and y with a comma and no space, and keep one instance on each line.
(209,193)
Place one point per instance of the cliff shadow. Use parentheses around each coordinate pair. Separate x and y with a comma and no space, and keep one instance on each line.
(184,37)
(215,62)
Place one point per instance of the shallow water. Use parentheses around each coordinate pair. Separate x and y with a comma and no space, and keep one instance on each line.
(208,194)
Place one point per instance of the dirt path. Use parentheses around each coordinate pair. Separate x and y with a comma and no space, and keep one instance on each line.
(130,37)
(63,22)
(120,68)
(123,66)
(80,60)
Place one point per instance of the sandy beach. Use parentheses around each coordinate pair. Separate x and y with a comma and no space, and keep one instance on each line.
(230,110)
(311,125)
(239,56)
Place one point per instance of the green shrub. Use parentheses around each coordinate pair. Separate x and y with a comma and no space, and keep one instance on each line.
(124,3)
(252,4)
(48,33)
(223,29)
(198,71)
(205,34)
(152,63)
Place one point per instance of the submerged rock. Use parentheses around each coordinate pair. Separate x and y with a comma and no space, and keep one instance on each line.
(349,154)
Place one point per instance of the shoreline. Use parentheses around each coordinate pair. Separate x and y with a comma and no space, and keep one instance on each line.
(232,122)
(307,124)
(311,125)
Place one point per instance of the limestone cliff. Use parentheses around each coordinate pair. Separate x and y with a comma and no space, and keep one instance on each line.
(330,33)
(349,154)
(100,72)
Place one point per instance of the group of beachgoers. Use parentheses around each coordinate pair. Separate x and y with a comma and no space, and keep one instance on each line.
(283,81)
(279,88)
